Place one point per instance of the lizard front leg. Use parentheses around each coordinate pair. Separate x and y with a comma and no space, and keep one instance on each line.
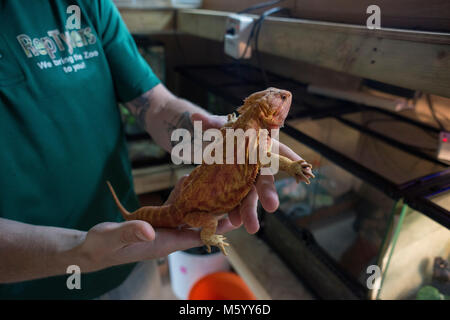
(300,170)
(208,223)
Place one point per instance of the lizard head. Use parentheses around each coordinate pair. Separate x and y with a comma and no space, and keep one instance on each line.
(270,106)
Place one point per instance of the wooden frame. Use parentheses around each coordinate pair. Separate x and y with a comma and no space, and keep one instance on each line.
(145,21)
(157,178)
(412,59)
(431,15)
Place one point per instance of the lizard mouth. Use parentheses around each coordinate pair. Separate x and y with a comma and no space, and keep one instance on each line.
(274,123)
(278,118)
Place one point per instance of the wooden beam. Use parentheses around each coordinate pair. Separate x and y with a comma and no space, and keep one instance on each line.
(145,21)
(410,59)
(157,178)
(403,14)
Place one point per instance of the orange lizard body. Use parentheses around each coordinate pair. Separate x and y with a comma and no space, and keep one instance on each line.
(212,190)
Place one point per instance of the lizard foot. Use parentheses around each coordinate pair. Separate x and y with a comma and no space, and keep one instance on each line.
(231,119)
(218,241)
(301,170)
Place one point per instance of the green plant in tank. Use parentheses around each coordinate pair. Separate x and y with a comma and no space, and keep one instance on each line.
(127,117)
(430,293)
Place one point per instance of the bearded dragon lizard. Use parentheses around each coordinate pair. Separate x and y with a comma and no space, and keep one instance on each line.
(212,190)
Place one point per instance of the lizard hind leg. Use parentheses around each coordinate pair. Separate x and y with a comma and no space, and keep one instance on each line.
(208,223)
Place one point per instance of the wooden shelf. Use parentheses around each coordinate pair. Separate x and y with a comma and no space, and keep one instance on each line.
(411,59)
(148,21)
(157,178)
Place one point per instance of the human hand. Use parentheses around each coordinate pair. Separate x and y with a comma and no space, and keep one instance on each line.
(264,188)
(108,244)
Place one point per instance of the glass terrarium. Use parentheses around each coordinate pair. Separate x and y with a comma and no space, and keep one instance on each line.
(358,221)
(374,222)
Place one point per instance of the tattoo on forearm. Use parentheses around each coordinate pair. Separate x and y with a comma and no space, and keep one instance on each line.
(180,121)
(170,116)
(140,107)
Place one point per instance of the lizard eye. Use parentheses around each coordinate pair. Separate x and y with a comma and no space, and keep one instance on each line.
(283,97)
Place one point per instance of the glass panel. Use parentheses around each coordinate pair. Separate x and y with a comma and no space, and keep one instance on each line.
(411,135)
(419,265)
(347,217)
(390,162)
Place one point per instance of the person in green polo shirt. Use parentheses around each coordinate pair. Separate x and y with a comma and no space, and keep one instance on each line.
(64,66)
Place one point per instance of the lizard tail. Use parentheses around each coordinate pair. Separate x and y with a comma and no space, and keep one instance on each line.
(157,216)
(125,213)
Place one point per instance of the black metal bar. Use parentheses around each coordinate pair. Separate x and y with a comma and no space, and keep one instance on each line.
(404,119)
(390,141)
(417,196)
(430,209)
(275,78)
(389,88)
(345,162)
(428,185)
(320,113)
(215,90)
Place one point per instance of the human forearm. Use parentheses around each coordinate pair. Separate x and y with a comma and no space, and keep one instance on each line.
(160,112)
(30,252)
(175,114)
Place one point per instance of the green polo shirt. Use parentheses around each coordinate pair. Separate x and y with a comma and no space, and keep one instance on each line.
(61,135)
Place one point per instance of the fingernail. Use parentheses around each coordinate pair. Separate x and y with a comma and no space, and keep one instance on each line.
(141,236)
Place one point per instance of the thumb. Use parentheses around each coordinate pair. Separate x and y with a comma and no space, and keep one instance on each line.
(134,231)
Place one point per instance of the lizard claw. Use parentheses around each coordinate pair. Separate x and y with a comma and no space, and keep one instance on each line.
(218,241)
(301,170)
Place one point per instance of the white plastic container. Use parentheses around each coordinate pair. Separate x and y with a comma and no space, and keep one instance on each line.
(187,268)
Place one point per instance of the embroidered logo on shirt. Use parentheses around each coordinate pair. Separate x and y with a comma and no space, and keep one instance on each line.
(56,41)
